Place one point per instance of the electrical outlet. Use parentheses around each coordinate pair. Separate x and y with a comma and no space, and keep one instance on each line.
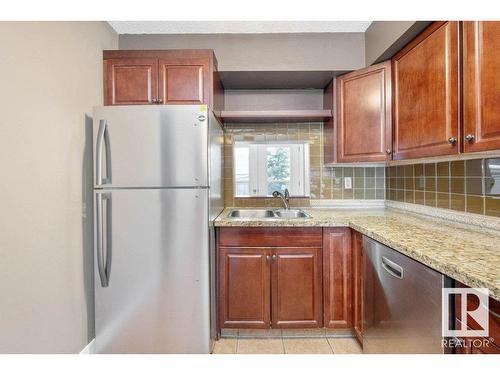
(347,182)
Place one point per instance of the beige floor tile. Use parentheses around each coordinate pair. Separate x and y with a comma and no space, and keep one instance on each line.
(225,346)
(260,346)
(259,333)
(307,346)
(345,346)
(308,332)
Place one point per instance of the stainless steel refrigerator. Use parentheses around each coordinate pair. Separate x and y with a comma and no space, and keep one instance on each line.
(157,189)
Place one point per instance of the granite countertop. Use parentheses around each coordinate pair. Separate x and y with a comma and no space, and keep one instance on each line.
(463,252)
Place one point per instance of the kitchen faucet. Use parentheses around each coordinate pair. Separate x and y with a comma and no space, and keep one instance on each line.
(285,198)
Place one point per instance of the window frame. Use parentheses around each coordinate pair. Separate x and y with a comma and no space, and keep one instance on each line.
(299,168)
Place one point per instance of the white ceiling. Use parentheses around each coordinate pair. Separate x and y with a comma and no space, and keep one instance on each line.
(237,27)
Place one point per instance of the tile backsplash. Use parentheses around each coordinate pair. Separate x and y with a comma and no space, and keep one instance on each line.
(325,182)
(458,185)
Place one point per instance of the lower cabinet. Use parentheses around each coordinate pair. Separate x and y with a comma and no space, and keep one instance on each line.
(477,345)
(265,283)
(358,266)
(296,298)
(244,293)
(290,278)
(337,278)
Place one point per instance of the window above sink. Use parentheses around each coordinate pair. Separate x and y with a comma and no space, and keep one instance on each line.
(261,168)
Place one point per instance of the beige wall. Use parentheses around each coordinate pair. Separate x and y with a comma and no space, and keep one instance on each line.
(266,52)
(50,77)
(384,38)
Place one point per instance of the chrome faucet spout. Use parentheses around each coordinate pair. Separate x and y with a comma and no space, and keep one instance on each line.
(285,198)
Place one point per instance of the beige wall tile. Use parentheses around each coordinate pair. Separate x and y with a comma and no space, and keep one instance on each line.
(325,182)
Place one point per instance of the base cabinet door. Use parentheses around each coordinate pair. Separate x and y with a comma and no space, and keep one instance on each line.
(481,85)
(244,299)
(296,288)
(337,277)
(357,252)
(130,81)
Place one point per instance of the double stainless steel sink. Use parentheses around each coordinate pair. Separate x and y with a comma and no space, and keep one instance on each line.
(268,214)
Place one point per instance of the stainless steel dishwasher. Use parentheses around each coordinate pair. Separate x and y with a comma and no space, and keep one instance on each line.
(402,303)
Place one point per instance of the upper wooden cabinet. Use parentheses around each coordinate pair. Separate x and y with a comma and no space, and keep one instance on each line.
(182,81)
(426,114)
(130,81)
(364,115)
(162,77)
(481,85)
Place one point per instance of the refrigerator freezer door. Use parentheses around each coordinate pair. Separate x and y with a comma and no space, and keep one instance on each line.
(151,146)
(155,259)
(402,304)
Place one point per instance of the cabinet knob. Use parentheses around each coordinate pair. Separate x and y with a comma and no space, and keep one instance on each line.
(268,257)
(153,100)
(452,140)
(159,101)
(388,151)
(274,256)
(469,138)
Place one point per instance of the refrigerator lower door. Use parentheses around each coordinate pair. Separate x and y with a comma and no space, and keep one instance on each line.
(152,283)
(151,146)
(402,303)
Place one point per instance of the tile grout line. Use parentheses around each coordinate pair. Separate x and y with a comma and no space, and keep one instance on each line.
(330,345)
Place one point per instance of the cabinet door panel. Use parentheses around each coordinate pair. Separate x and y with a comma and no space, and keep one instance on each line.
(364,114)
(426,87)
(244,283)
(296,288)
(337,277)
(357,250)
(130,81)
(481,53)
(183,81)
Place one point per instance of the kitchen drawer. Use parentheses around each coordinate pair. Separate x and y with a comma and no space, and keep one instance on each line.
(269,236)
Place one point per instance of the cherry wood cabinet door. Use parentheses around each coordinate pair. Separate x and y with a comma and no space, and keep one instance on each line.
(296,288)
(364,118)
(357,251)
(337,278)
(426,113)
(244,287)
(183,81)
(481,85)
(130,81)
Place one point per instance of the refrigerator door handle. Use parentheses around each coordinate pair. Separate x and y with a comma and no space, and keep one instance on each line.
(103,135)
(103,248)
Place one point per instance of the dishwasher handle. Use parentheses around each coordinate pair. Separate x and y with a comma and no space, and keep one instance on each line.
(392,268)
